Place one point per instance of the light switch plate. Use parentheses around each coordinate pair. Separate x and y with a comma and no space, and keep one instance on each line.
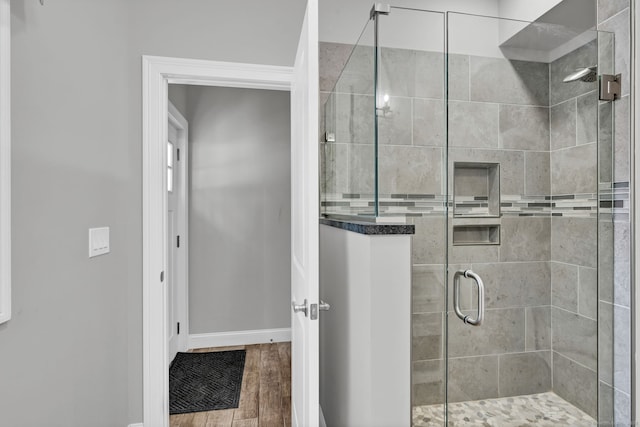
(98,241)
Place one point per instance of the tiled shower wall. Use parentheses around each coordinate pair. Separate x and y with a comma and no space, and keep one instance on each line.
(615,288)
(503,120)
(574,283)
(498,114)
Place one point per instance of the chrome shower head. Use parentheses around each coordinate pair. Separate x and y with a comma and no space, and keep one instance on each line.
(588,74)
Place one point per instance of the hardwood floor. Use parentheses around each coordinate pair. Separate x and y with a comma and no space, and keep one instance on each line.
(265,398)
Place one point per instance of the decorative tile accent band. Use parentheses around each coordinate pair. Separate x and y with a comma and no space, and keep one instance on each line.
(613,201)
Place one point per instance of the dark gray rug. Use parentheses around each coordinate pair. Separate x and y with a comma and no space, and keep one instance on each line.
(205,381)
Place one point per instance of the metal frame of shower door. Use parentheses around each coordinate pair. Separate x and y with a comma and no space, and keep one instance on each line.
(446,213)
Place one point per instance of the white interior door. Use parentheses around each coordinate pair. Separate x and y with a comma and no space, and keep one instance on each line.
(172,240)
(177,251)
(304,225)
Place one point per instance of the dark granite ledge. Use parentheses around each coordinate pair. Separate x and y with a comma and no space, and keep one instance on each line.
(370,228)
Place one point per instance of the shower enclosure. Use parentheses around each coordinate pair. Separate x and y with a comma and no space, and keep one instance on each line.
(464,126)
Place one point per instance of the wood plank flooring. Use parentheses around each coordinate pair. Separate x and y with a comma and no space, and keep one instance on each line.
(265,398)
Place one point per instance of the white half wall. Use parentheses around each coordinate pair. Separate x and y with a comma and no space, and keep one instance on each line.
(365,339)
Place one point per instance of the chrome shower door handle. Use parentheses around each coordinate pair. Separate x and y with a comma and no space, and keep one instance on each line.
(456,297)
(480,313)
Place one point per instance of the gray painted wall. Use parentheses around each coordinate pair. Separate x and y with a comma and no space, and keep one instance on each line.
(239,209)
(75,341)
(67,344)
(178,97)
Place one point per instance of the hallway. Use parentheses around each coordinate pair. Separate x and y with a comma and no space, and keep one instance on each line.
(265,399)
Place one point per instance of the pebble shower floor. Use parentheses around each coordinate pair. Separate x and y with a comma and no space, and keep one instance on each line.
(544,409)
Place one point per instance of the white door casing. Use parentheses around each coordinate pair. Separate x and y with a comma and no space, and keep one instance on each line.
(305,399)
(158,72)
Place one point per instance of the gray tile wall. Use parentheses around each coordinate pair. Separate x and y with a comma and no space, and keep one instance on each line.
(348,113)
(511,353)
(573,167)
(614,276)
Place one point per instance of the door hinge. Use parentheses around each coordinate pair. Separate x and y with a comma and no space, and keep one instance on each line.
(178,241)
(178,155)
(178,328)
(329,137)
(610,87)
(380,8)
(162,276)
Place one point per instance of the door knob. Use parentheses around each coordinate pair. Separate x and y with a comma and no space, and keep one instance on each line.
(300,308)
(313,308)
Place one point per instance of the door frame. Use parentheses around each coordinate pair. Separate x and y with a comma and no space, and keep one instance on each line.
(157,73)
(176,118)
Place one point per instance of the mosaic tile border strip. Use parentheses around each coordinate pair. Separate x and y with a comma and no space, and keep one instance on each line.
(614,201)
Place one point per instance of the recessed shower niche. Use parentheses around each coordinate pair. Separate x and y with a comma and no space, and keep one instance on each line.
(476,234)
(476,194)
(476,189)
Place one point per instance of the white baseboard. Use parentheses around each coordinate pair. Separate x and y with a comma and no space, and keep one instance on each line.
(224,339)
(135,425)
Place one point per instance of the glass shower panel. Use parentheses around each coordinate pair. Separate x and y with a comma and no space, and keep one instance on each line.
(522,310)
(614,319)
(348,148)
(411,164)
(410,114)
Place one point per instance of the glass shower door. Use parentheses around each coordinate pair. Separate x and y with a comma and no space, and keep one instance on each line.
(523,185)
